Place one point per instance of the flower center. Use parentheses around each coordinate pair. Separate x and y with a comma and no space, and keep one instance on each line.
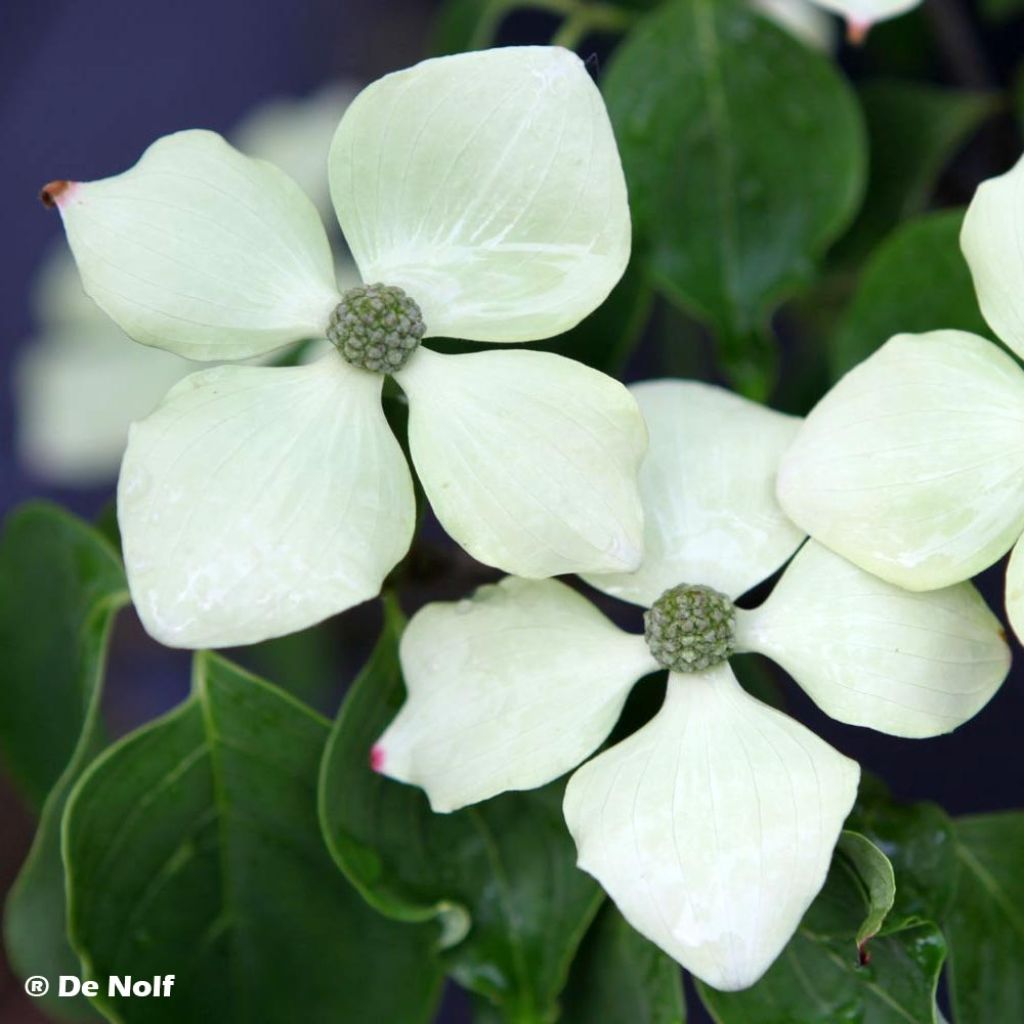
(376,327)
(690,628)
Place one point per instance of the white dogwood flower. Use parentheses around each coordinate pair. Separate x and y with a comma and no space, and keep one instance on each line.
(79,382)
(482,197)
(711,827)
(912,466)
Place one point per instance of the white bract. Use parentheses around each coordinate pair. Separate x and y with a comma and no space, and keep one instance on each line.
(480,194)
(860,15)
(912,466)
(712,827)
(79,382)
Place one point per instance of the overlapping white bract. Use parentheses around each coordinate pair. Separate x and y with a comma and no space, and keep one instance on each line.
(710,470)
(912,466)
(870,653)
(528,678)
(712,827)
(486,184)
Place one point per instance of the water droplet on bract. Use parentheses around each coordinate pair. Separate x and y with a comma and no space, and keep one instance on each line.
(137,483)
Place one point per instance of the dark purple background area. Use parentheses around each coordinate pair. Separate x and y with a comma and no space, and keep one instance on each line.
(85,86)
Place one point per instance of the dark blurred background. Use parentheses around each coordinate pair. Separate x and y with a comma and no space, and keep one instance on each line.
(86,86)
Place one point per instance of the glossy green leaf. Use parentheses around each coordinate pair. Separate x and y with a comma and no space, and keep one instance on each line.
(61,586)
(619,977)
(485,1012)
(305,664)
(1002,10)
(914,129)
(724,121)
(760,678)
(872,871)
(986,922)
(192,848)
(860,890)
(822,976)
(916,281)
(605,339)
(500,877)
(918,840)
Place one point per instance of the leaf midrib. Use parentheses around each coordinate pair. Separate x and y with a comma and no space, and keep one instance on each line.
(991,885)
(710,66)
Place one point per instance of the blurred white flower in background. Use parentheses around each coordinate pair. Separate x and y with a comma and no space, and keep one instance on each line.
(295,135)
(860,15)
(811,20)
(803,19)
(80,381)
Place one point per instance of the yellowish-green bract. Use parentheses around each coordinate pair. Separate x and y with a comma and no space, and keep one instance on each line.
(711,828)
(912,466)
(256,501)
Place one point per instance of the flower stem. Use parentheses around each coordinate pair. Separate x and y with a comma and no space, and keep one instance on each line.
(580,18)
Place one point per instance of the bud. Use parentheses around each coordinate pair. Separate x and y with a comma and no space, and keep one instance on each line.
(376,327)
(690,628)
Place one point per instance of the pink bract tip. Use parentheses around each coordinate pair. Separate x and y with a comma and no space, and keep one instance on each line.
(377,759)
(57,193)
(857,31)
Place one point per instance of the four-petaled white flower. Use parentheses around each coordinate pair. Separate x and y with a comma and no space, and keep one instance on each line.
(482,198)
(712,826)
(912,466)
(79,382)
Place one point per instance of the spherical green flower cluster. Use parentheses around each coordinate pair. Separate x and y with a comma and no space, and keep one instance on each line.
(376,327)
(690,628)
